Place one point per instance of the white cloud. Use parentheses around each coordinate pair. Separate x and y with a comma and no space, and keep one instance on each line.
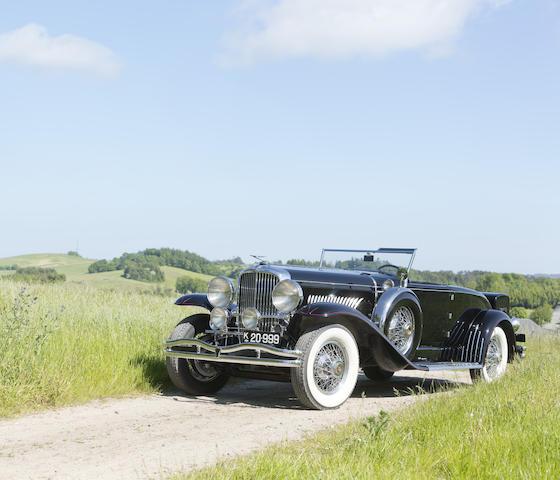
(342,28)
(32,45)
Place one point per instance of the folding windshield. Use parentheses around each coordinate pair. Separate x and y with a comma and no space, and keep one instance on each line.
(384,260)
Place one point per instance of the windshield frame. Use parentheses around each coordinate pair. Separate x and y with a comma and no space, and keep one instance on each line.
(407,251)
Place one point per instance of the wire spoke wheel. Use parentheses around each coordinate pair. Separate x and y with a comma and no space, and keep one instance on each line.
(496,357)
(329,367)
(496,360)
(401,328)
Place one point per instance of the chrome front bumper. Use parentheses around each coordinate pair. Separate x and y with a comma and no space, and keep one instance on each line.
(277,357)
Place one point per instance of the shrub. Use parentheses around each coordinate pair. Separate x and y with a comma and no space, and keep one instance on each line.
(38,275)
(542,314)
(8,267)
(144,270)
(102,266)
(73,253)
(519,312)
(190,285)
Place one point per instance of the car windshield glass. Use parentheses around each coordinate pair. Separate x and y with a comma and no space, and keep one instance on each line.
(384,260)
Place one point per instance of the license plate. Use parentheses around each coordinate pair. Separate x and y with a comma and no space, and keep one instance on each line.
(258,337)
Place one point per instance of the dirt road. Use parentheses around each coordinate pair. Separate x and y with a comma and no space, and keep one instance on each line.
(554,325)
(150,437)
(556,316)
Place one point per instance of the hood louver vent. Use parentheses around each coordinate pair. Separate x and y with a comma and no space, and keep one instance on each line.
(352,302)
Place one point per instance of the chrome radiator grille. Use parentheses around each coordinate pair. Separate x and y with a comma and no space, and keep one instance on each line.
(255,290)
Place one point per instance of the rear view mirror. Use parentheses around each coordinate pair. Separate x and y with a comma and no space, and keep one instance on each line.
(368,258)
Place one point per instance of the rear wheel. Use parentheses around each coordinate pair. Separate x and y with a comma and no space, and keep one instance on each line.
(194,377)
(329,369)
(402,327)
(495,362)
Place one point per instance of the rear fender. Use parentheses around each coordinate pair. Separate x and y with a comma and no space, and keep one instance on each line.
(469,338)
(375,347)
(390,298)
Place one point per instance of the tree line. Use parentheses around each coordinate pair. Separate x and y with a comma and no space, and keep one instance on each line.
(146,264)
(525,291)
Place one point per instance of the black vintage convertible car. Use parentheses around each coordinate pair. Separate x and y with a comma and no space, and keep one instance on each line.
(316,327)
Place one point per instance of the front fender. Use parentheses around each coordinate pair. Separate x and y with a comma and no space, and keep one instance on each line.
(375,348)
(194,300)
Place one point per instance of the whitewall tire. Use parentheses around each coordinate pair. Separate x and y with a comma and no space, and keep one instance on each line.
(329,369)
(496,360)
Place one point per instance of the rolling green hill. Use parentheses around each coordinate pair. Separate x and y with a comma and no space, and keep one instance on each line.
(76,271)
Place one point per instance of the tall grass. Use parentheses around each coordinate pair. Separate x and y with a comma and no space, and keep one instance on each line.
(507,429)
(63,344)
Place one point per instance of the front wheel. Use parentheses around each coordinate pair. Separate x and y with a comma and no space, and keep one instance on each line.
(329,369)
(495,362)
(194,377)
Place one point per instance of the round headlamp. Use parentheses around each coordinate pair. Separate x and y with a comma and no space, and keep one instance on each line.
(387,284)
(220,292)
(250,318)
(286,296)
(218,318)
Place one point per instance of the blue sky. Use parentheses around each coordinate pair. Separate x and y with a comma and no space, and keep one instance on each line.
(281,127)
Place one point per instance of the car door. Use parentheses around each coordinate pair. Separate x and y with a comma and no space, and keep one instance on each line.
(435,301)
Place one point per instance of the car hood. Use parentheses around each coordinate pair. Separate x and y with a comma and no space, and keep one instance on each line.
(310,275)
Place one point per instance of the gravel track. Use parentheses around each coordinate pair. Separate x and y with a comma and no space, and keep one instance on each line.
(154,436)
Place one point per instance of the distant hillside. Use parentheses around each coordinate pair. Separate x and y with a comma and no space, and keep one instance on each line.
(76,270)
(147,263)
(529,291)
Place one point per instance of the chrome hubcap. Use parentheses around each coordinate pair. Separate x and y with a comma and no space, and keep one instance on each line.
(329,367)
(401,329)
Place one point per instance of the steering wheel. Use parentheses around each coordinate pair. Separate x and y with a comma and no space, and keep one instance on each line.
(389,265)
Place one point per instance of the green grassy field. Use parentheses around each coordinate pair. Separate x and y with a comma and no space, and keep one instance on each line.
(95,335)
(69,343)
(508,429)
(76,271)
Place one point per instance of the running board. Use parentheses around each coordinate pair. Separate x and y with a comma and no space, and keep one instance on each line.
(437,366)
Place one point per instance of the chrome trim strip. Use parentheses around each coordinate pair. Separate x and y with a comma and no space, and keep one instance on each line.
(439,366)
(349,285)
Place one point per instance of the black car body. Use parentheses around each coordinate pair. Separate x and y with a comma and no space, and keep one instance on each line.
(395,322)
